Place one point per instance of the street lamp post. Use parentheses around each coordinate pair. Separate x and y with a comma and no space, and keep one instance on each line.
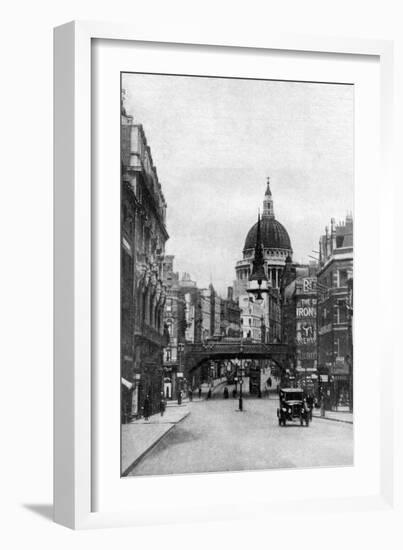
(136,394)
(179,374)
(241,378)
(240,389)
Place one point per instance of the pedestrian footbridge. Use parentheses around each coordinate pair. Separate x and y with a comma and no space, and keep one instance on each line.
(196,354)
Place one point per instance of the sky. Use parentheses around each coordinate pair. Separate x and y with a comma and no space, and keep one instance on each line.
(214,141)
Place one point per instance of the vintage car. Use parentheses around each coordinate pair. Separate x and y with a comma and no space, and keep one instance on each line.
(292,407)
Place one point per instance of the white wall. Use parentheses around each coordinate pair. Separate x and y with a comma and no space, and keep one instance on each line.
(26,274)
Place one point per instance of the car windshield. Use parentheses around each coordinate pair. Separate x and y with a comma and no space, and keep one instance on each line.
(293,396)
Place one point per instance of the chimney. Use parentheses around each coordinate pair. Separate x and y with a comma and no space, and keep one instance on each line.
(333,235)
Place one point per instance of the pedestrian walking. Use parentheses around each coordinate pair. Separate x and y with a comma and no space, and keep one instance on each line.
(209,393)
(322,406)
(180,397)
(226,393)
(162,405)
(146,408)
(309,401)
(234,393)
(190,394)
(200,392)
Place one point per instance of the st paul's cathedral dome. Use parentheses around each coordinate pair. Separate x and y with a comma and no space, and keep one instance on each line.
(276,245)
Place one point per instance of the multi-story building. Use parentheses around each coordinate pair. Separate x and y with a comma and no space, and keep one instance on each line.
(192,301)
(144,233)
(252,318)
(230,316)
(127,311)
(216,314)
(175,323)
(207,320)
(300,323)
(334,313)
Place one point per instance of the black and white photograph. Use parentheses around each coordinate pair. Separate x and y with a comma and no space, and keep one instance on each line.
(201,292)
(236,263)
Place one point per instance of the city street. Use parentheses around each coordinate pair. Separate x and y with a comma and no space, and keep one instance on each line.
(216,437)
(237,288)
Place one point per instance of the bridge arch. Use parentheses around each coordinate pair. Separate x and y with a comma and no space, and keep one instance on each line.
(197,354)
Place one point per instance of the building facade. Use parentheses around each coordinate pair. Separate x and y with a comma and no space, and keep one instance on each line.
(300,327)
(230,316)
(335,345)
(143,295)
(175,323)
(252,319)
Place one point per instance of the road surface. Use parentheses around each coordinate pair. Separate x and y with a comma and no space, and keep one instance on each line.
(216,437)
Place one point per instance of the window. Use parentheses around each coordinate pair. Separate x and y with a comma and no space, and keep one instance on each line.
(339,241)
(342,277)
(336,313)
(336,347)
(341,304)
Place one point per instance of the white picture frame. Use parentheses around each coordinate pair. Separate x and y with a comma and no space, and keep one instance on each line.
(75,470)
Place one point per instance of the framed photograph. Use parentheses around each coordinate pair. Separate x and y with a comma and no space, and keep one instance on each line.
(219,206)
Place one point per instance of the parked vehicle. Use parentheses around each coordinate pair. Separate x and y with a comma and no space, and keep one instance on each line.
(292,407)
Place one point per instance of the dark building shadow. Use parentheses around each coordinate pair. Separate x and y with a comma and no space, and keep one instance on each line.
(44,510)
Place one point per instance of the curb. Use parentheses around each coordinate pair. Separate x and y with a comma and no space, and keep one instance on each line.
(153,444)
(334,419)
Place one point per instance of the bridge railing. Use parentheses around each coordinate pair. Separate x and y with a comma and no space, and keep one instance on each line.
(243,348)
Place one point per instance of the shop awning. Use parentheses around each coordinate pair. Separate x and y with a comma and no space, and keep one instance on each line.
(126,383)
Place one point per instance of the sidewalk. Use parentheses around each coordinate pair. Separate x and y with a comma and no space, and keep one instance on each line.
(140,436)
(337,416)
